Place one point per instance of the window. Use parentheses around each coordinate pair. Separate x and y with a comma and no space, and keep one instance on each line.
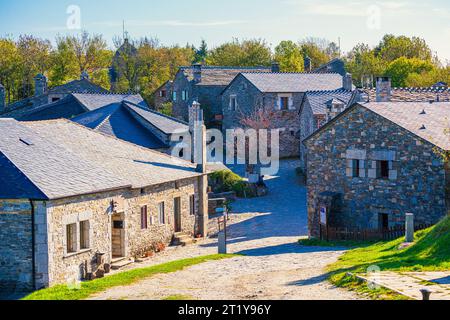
(161,215)
(233,103)
(84,235)
(284,103)
(174,96)
(163,93)
(55,99)
(383,170)
(184,95)
(192,204)
(71,234)
(144,217)
(356,168)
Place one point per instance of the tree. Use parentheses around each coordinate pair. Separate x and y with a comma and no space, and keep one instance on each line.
(201,53)
(9,67)
(64,65)
(362,63)
(247,53)
(392,48)
(401,68)
(289,56)
(315,49)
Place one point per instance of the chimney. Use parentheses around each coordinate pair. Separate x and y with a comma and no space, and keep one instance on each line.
(40,84)
(198,134)
(84,75)
(307,61)
(383,89)
(197,70)
(275,67)
(348,82)
(2,98)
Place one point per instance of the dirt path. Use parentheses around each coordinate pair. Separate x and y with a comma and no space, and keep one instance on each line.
(274,266)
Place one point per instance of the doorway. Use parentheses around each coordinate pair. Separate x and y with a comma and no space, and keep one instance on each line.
(383,221)
(177,213)
(118,236)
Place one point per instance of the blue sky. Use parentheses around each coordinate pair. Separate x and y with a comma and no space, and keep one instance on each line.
(182,21)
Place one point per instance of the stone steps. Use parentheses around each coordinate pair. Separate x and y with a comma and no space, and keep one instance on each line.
(182,239)
(119,263)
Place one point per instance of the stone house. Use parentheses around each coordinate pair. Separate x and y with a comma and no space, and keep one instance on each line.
(282,93)
(163,95)
(375,162)
(205,85)
(73,200)
(43,95)
(318,108)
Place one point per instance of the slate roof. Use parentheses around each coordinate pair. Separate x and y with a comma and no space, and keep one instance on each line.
(63,159)
(94,101)
(426,120)
(294,82)
(220,76)
(411,94)
(336,66)
(318,99)
(116,120)
(165,124)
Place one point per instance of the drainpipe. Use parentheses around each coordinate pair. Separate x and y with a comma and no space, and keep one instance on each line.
(33,240)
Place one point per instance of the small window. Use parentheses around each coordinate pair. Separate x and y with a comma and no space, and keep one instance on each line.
(55,99)
(84,235)
(163,93)
(284,103)
(356,168)
(174,96)
(233,103)
(383,172)
(161,215)
(71,233)
(192,205)
(144,217)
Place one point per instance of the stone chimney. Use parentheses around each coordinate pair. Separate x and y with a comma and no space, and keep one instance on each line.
(275,67)
(84,75)
(40,84)
(2,98)
(308,66)
(198,135)
(348,82)
(197,71)
(383,89)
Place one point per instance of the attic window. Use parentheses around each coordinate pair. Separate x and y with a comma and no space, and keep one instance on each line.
(28,143)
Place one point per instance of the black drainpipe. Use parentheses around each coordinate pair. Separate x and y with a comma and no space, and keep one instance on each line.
(33,251)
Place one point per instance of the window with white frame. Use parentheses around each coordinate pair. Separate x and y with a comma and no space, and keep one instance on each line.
(84,235)
(71,234)
(184,95)
(233,103)
(174,96)
(192,205)
(285,102)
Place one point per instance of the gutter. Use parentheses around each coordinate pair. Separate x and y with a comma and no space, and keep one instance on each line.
(33,240)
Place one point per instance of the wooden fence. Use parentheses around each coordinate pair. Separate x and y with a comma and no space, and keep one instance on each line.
(336,234)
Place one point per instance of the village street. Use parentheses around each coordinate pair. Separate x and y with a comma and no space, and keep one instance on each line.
(273,265)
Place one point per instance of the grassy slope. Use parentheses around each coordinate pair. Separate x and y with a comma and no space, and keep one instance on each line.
(63,292)
(431,252)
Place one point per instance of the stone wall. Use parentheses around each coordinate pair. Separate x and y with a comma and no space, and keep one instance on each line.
(159,100)
(416,180)
(249,97)
(180,107)
(16,250)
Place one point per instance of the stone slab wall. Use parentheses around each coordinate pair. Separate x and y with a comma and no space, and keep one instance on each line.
(250,98)
(416,181)
(16,251)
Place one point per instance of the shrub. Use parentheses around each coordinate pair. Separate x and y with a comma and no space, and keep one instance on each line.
(226,181)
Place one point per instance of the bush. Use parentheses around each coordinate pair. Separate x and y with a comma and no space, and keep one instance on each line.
(226,181)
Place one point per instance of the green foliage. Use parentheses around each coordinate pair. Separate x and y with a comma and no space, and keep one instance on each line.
(318,50)
(289,56)
(226,181)
(246,53)
(201,53)
(400,69)
(391,48)
(431,252)
(63,292)
(167,109)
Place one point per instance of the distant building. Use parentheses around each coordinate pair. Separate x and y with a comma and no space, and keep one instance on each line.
(282,93)
(375,162)
(334,66)
(204,84)
(123,57)
(163,95)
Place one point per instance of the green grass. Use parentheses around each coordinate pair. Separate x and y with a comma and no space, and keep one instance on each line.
(333,244)
(63,292)
(431,252)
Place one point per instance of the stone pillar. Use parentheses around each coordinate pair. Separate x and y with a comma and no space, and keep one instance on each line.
(2,98)
(275,67)
(308,65)
(409,227)
(348,82)
(203,205)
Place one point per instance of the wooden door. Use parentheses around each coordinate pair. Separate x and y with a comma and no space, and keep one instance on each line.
(118,236)
(177,214)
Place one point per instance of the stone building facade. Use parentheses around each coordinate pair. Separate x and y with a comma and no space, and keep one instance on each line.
(376,162)
(281,94)
(80,208)
(163,95)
